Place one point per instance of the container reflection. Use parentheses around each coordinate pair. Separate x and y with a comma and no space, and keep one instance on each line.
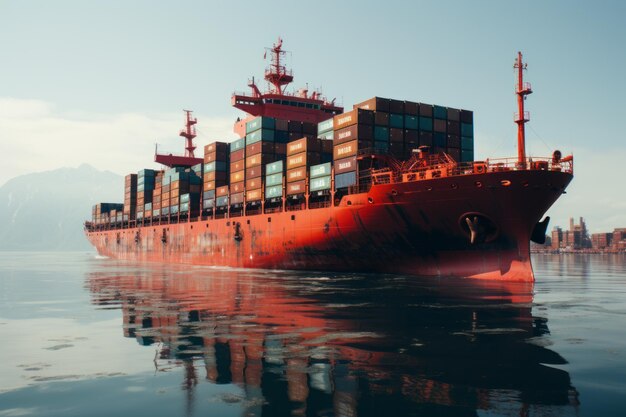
(312,344)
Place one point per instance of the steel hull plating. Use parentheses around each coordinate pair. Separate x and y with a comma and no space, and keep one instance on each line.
(416,228)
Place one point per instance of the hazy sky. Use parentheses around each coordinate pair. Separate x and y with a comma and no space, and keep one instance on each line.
(102,81)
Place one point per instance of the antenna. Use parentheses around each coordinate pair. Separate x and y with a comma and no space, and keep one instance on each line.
(276,74)
(189,132)
(522,89)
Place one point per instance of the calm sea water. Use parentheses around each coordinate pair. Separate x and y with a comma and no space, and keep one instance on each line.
(86,336)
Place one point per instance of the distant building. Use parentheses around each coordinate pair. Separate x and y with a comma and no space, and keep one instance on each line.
(601,241)
(619,239)
(576,237)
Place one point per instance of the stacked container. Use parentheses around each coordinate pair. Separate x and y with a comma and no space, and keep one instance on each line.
(157,194)
(216,161)
(145,188)
(325,129)
(402,126)
(274,172)
(130,197)
(301,155)
(319,179)
(101,212)
(237,170)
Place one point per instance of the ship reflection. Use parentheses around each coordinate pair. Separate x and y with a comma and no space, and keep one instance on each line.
(312,344)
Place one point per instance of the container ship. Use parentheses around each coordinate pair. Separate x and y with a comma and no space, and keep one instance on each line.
(390,186)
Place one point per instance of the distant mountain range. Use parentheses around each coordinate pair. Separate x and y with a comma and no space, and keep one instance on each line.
(45,211)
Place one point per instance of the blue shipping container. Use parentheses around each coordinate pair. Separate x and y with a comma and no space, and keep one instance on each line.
(426,123)
(325,126)
(274,167)
(320,170)
(381,133)
(441,112)
(467,143)
(345,180)
(265,135)
(274,191)
(396,120)
(467,129)
(237,145)
(320,183)
(411,122)
(274,179)
(260,122)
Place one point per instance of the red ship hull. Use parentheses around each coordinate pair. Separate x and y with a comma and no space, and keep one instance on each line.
(415,228)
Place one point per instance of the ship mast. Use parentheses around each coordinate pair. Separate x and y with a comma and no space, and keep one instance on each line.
(522,89)
(189,132)
(276,74)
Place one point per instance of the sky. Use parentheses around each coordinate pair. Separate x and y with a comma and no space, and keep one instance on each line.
(102,82)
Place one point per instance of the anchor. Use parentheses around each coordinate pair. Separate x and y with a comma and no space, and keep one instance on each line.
(238,235)
(539,231)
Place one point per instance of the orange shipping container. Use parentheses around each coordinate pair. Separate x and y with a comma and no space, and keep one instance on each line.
(296,187)
(296,174)
(237,176)
(253,183)
(237,187)
(353,117)
(304,145)
(221,191)
(345,150)
(253,195)
(254,172)
(237,165)
(345,165)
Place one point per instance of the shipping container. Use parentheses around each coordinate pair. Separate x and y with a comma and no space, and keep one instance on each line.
(294,126)
(302,159)
(237,165)
(221,201)
(274,167)
(345,180)
(260,122)
(467,116)
(411,122)
(426,110)
(216,147)
(426,124)
(426,139)
(358,131)
(254,172)
(262,134)
(208,195)
(411,108)
(281,136)
(381,146)
(237,176)
(440,140)
(274,191)
(236,198)
(381,119)
(439,125)
(260,147)
(237,187)
(454,115)
(454,128)
(467,155)
(325,126)
(253,183)
(237,145)
(296,174)
(454,141)
(320,170)
(353,117)
(467,143)
(216,166)
(254,195)
(282,125)
(274,179)
(217,156)
(208,204)
(467,130)
(346,149)
(375,104)
(396,135)
(320,183)
(330,134)
(258,160)
(396,106)
(304,145)
(296,187)
(381,134)
(455,153)
(440,112)
(216,176)
(345,165)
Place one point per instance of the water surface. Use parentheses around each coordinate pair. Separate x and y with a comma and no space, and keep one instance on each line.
(83,335)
